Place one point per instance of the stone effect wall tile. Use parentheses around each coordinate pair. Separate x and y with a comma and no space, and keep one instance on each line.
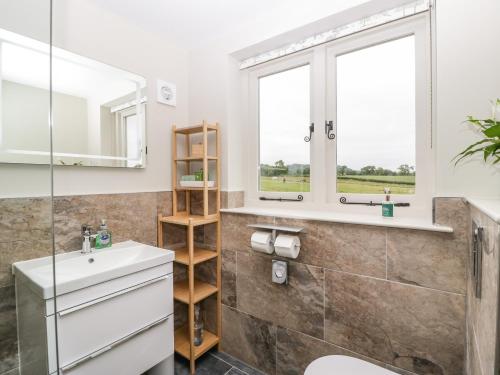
(250,339)
(129,217)
(298,305)
(235,233)
(229,278)
(482,313)
(473,367)
(25,232)
(358,249)
(453,212)
(409,327)
(8,330)
(431,259)
(232,199)
(405,328)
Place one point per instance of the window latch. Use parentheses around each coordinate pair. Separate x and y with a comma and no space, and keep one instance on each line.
(311,130)
(329,130)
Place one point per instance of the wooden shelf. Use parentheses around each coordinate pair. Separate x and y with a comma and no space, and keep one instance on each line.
(182,188)
(196,158)
(200,255)
(182,346)
(183,219)
(193,290)
(195,129)
(202,290)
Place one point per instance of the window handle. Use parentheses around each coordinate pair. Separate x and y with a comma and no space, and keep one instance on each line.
(311,130)
(329,130)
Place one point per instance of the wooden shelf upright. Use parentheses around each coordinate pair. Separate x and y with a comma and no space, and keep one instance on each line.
(193,290)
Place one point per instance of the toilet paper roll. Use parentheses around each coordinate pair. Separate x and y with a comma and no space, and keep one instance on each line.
(287,246)
(262,242)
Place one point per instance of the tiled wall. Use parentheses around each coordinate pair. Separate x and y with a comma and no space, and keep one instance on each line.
(482,314)
(25,233)
(390,296)
(393,297)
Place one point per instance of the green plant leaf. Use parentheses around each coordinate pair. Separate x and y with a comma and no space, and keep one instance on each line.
(493,131)
(472,146)
(489,146)
(468,153)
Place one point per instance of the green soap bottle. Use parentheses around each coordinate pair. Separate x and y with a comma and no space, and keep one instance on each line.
(387,205)
(103,238)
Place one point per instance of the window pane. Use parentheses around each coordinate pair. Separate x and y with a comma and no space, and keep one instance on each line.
(376,119)
(284,116)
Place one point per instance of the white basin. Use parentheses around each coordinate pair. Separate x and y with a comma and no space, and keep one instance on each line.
(75,270)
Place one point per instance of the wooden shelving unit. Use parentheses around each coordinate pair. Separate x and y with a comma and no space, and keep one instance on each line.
(192,290)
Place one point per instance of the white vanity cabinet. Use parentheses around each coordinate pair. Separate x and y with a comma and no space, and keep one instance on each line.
(123,325)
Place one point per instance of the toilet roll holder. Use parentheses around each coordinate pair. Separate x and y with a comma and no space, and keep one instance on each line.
(279,267)
(277,228)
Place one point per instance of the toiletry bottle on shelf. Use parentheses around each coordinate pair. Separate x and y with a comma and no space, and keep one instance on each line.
(199,175)
(387,205)
(198,326)
(103,238)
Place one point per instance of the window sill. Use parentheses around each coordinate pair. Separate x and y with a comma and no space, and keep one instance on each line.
(490,207)
(335,217)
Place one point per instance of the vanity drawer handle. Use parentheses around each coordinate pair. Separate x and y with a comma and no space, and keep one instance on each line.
(112,346)
(105,298)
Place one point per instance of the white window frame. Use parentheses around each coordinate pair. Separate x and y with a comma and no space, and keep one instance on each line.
(323,195)
(253,175)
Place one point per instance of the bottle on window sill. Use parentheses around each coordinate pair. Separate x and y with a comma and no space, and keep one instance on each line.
(387,205)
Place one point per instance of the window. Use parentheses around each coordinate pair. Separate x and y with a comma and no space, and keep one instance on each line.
(376,119)
(133,139)
(284,115)
(374,88)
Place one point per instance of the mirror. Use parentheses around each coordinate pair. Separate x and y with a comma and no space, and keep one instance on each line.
(99,111)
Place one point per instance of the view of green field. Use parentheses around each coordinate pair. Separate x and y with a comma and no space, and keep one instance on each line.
(345,184)
(285,184)
(376,184)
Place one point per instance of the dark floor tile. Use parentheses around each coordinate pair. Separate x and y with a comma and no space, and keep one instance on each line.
(11,372)
(206,365)
(239,365)
(235,371)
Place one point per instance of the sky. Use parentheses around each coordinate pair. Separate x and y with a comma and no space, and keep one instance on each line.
(375,109)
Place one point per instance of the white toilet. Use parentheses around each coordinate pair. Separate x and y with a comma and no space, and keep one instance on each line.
(344,365)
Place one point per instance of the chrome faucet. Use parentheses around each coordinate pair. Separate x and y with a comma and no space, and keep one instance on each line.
(87,238)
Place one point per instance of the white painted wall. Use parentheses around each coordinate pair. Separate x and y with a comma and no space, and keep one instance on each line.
(468,76)
(86,29)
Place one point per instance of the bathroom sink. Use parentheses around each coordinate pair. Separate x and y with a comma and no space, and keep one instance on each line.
(75,270)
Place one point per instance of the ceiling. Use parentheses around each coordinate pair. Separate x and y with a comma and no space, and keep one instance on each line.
(197,23)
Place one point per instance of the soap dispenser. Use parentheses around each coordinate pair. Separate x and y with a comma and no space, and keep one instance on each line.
(387,205)
(103,238)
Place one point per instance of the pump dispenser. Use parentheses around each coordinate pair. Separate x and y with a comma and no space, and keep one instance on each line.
(103,238)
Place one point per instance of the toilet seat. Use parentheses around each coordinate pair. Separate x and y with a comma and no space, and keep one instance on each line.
(344,365)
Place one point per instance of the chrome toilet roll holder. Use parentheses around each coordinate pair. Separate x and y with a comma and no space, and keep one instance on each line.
(279,267)
(277,228)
